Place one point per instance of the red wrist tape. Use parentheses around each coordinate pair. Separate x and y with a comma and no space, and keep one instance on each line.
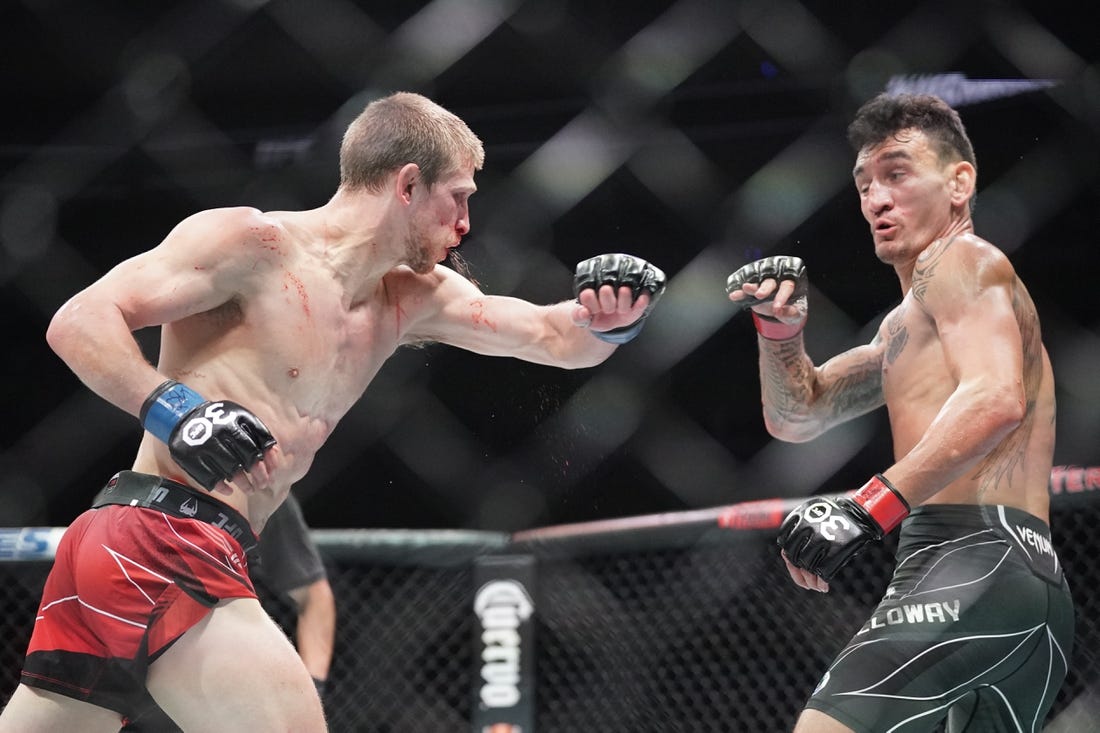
(774,329)
(883,502)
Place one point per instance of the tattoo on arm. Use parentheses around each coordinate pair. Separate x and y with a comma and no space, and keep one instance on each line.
(999,465)
(785,378)
(794,393)
(856,391)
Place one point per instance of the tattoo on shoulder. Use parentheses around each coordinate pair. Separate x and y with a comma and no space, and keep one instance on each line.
(927,262)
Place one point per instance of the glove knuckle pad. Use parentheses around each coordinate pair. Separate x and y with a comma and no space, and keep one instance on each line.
(618,270)
(776,267)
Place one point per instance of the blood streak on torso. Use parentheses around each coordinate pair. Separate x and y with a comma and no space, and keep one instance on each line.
(302,292)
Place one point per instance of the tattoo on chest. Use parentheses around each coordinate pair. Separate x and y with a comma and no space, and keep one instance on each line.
(897,335)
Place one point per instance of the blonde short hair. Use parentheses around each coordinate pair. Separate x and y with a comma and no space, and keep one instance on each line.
(405,128)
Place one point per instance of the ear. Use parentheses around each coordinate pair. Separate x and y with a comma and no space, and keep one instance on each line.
(963,180)
(405,181)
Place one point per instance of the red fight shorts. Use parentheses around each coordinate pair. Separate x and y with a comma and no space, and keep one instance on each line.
(125,584)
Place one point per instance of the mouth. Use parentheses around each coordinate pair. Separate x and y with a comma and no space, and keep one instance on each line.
(885,229)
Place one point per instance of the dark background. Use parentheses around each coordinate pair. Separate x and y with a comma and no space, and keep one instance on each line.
(696,134)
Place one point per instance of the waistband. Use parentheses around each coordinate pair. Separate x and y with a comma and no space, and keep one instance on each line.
(1023,531)
(129,488)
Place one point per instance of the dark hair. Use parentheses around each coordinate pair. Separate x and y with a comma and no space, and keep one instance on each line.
(888,114)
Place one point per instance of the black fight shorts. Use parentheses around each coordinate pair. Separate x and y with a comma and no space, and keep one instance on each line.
(976,627)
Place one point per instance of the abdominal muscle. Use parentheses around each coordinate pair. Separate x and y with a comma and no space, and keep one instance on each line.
(300,385)
(1016,472)
(288,461)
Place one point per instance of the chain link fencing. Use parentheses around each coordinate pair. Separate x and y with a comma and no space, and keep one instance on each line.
(661,623)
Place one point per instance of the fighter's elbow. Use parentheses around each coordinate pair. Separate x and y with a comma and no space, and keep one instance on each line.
(60,331)
(1003,409)
(1011,408)
(789,428)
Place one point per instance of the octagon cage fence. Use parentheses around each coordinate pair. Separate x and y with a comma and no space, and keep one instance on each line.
(669,622)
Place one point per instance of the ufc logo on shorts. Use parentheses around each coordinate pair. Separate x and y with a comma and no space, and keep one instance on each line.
(199,428)
(822,513)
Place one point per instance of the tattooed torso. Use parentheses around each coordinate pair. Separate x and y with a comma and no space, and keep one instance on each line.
(917,381)
(957,295)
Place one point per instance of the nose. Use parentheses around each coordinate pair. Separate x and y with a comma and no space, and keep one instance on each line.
(462,226)
(878,198)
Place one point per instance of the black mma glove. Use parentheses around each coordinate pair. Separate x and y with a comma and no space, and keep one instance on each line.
(211,441)
(617,270)
(779,268)
(823,534)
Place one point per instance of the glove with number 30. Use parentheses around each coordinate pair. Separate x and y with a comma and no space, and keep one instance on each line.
(211,441)
(823,533)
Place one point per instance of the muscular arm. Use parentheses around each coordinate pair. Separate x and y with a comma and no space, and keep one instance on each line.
(802,401)
(191,271)
(967,289)
(557,335)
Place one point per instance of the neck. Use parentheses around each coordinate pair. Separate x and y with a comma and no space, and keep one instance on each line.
(352,237)
(904,270)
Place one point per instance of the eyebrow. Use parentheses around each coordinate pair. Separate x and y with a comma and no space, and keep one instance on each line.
(892,155)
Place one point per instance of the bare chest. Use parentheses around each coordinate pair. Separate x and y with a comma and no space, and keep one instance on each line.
(325,351)
(914,369)
(298,345)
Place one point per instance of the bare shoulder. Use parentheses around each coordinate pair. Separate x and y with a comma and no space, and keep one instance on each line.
(425,300)
(229,217)
(227,240)
(963,263)
(439,285)
(242,224)
(208,259)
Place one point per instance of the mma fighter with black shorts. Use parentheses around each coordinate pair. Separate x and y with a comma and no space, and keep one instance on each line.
(272,326)
(976,626)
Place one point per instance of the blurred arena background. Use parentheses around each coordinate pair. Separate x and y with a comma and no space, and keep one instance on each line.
(697,134)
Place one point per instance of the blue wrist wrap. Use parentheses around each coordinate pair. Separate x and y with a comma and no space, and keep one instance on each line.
(622,334)
(166,406)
